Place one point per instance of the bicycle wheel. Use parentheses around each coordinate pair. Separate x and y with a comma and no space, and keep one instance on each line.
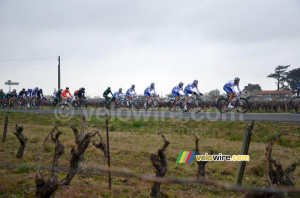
(242,105)
(197,105)
(222,105)
(155,105)
(171,105)
(182,105)
(136,105)
(123,105)
(295,105)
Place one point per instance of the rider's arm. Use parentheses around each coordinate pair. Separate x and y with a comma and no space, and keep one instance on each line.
(238,87)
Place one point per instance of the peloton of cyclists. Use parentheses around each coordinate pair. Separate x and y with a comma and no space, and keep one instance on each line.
(229,88)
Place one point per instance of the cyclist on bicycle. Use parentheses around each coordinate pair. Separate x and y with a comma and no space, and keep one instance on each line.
(22,95)
(2,95)
(58,96)
(80,95)
(229,88)
(40,94)
(147,93)
(117,95)
(189,90)
(12,95)
(176,90)
(64,94)
(129,91)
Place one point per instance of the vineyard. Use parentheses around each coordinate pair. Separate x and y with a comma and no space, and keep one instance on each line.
(41,156)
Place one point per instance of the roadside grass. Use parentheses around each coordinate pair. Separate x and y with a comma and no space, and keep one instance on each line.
(131,144)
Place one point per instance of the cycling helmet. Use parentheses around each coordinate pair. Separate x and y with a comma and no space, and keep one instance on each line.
(82,88)
(236,78)
(181,83)
(23,89)
(1,90)
(120,89)
(195,81)
(36,88)
(14,90)
(152,84)
(67,87)
(41,90)
(132,85)
(108,88)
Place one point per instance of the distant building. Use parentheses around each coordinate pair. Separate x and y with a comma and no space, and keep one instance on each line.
(252,89)
(275,94)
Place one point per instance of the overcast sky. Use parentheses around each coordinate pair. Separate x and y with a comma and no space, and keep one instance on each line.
(122,42)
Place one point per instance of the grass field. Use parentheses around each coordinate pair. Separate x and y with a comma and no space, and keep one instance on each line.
(132,142)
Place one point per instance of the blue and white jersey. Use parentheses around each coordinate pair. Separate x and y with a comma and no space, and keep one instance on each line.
(177,89)
(191,86)
(231,84)
(33,92)
(149,89)
(130,90)
(117,94)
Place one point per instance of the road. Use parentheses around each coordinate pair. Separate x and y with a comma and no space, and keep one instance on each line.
(161,115)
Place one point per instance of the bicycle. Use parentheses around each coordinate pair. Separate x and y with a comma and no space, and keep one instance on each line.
(40,104)
(295,104)
(238,103)
(66,104)
(132,103)
(107,104)
(13,103)
(80,104)
(195,103)
(153,103)
(3,103)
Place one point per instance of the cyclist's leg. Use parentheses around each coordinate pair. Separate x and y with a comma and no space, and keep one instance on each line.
(176,95)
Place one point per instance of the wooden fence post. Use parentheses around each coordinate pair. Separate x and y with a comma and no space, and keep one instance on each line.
(108,153)
(244,151)
(5,127)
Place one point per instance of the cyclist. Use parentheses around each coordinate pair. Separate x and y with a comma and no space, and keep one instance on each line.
(64,94)
(40,94)
(189,90)
(147,93)
(105,95)
(2,95)
(117,95)
(22,95)
(176,90)
(57,96)
(28,93)
(129,91)
(229,88)
(12,95)
(80,95)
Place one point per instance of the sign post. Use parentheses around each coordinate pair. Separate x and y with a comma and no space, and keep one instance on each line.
(11,83)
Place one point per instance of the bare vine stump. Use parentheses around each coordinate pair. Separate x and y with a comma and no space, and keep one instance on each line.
(101,145)
(48,187)
(160,164)
(77,155)
(22,139)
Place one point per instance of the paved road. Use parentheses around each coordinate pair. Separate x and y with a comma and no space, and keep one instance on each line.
(161,115)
